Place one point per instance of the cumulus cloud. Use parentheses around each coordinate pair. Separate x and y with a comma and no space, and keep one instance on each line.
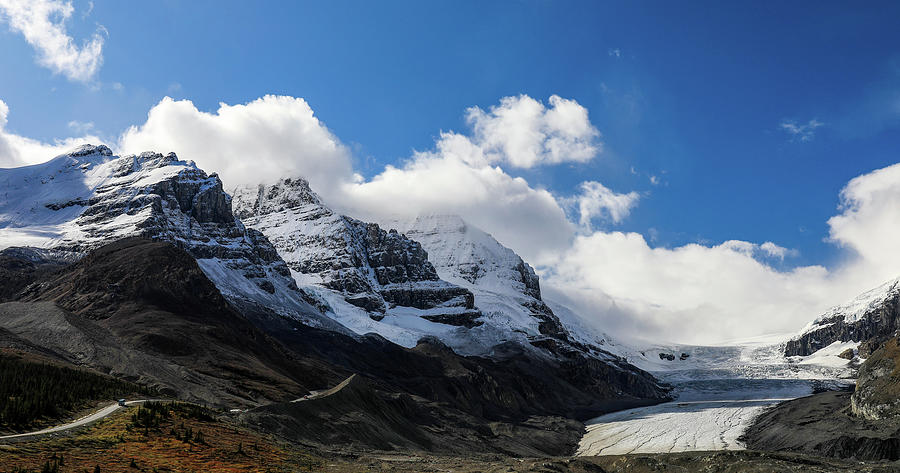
(273,137)
(525,133)
(868,223)
(799,131)
(260,141)
(692,293)
(701,293)
(774,251)
(525,218)
(43,24)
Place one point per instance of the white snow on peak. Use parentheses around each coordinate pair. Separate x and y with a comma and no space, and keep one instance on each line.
(465,254)
(367,279)
(42,205)
(506,288)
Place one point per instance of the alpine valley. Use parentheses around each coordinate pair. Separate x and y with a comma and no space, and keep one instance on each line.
(299,339)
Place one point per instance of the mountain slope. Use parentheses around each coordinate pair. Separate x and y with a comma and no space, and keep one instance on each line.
(145,311)
(137,266)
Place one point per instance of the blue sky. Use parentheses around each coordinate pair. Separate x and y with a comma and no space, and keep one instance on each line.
(698,95)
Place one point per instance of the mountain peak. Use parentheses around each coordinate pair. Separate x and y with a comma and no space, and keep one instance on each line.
(287,193)
(89,149)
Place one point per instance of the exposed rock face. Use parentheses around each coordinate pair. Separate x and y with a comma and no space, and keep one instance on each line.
(90,197)
(872,316)
(877,394)
(373,269)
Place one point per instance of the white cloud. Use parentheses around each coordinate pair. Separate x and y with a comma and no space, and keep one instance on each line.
(692,293)
(868,224)
(801,132)
(260,141)
(614,52)
(774,251)
(43,24)
(701,293)
(274,137)
(598,201)
(525,133)
(523,217)
(81,127)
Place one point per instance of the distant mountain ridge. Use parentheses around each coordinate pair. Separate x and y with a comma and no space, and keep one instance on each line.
(870,318)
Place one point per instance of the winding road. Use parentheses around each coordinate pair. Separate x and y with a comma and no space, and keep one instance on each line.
(88,419)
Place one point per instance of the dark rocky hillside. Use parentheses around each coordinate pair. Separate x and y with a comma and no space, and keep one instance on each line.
(824,425)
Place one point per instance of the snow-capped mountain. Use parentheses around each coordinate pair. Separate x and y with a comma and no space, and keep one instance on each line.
(406,286)
(366,278)
(377,271)
(874,314)
(506,288)
(84,199)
